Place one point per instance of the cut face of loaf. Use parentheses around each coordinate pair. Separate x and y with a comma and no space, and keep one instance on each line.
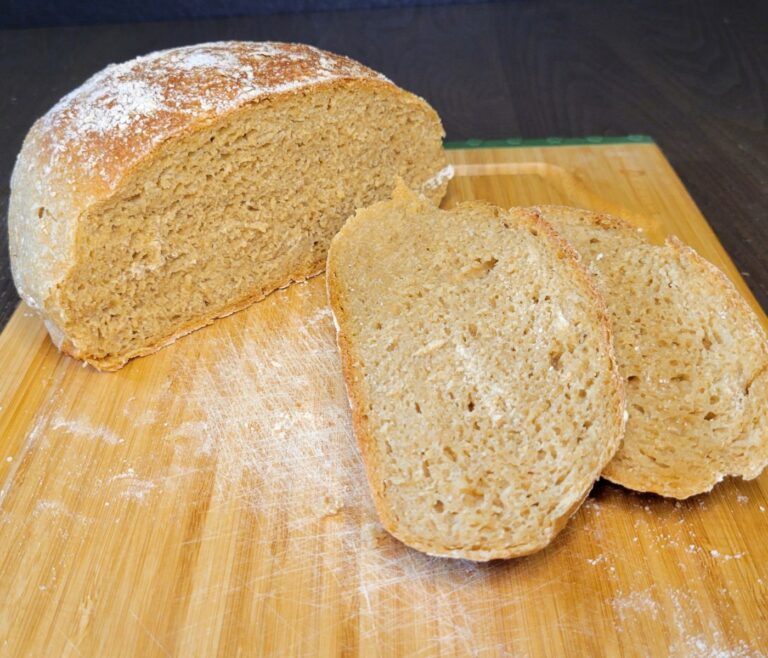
(692,353)
(184,185)
(477,356)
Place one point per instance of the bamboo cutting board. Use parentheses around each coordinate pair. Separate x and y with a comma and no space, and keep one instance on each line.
(209,500)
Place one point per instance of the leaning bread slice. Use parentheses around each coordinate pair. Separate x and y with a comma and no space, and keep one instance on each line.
(692,352)
(478,361)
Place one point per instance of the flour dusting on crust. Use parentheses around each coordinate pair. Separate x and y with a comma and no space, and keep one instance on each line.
(129,108)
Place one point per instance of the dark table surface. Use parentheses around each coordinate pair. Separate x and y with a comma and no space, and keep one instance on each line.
(693,75)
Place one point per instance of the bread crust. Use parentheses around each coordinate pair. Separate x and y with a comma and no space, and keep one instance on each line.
(80,154)
(358,396)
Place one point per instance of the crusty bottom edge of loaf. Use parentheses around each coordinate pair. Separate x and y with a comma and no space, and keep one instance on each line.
(642,486)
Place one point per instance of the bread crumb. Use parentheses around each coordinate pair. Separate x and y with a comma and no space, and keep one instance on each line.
(717,554)
(332,506)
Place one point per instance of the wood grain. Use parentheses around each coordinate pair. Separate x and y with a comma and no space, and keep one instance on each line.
(209,499)
(691,73)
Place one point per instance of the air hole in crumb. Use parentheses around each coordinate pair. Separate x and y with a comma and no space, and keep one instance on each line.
(425,469)
(418,408)
(706,342)
(593,241)
(439,507)
(472,497)
(377,325)
(471,405)
(448,451)
(633,379)
(711,415)
(639,408)
(472,328)
(480,267)
(681,378)
(714,399)
(40,212)
(554,360)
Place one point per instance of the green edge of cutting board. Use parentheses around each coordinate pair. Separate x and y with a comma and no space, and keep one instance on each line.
(548,141)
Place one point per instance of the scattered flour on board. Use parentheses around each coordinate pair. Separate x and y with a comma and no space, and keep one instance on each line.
(132,486)
(693,634)
(57,508)
(79,427)
(726,557)
(634,603)
(273,417)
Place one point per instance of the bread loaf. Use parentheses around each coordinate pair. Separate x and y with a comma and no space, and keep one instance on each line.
(692,352)
(184,185)
(477,356)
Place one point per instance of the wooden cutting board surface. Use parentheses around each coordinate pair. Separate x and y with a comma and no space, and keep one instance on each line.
(210,500)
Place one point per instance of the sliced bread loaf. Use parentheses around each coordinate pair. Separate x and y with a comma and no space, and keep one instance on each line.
(692,353)
(478,361)
(182,186)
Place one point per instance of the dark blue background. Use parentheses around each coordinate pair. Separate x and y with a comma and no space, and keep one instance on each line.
(37,13)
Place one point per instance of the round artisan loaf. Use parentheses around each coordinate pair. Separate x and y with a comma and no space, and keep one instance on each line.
(184,185)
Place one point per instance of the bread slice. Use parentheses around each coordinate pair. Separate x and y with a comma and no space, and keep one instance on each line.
(692,352)
(478,361)
(186,184)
